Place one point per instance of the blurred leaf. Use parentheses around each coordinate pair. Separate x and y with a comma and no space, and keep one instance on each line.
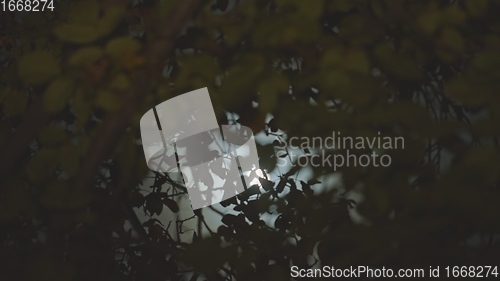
(38,67)
(57,95)
(85,55)
(108,100)
(69,159)
(111,18)
(119,82)
(476,7)
(76,33)
(116,47)
(85,25)
(396,64)
(459,89)
(84,11)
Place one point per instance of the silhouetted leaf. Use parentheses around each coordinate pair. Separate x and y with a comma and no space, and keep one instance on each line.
(154,204)
(281,185)
(171,204)
(266,184)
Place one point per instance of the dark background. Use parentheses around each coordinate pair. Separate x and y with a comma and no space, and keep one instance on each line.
(75,81)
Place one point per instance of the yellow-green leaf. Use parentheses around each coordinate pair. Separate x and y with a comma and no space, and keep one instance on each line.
(76,33)
(86,55)
(476,7)
(120,82)
(69,159)
(120,45)
(111,18)
(86,11)
(57,95)
(38,67)
(108,100)
(270,91)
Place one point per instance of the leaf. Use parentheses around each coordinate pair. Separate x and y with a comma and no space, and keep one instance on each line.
(476,7)
(171,204)
(306,188)
(356,61)
(119,82)
(429,21)
(110,20)
(313,182)
(86,55)
(270,90)
(397,64)
(229,219)
(136,198)
(116,47)
(85,25)
(235,221)
(69,159)
(109,101)
(154,204)
(281,185)
(266,184)
(252,190)
(76,33)
(57,95)
(85,12)
(229,201)
(459,89)
(38,67)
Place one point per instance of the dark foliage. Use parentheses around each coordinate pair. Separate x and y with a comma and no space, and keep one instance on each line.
(77,201)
